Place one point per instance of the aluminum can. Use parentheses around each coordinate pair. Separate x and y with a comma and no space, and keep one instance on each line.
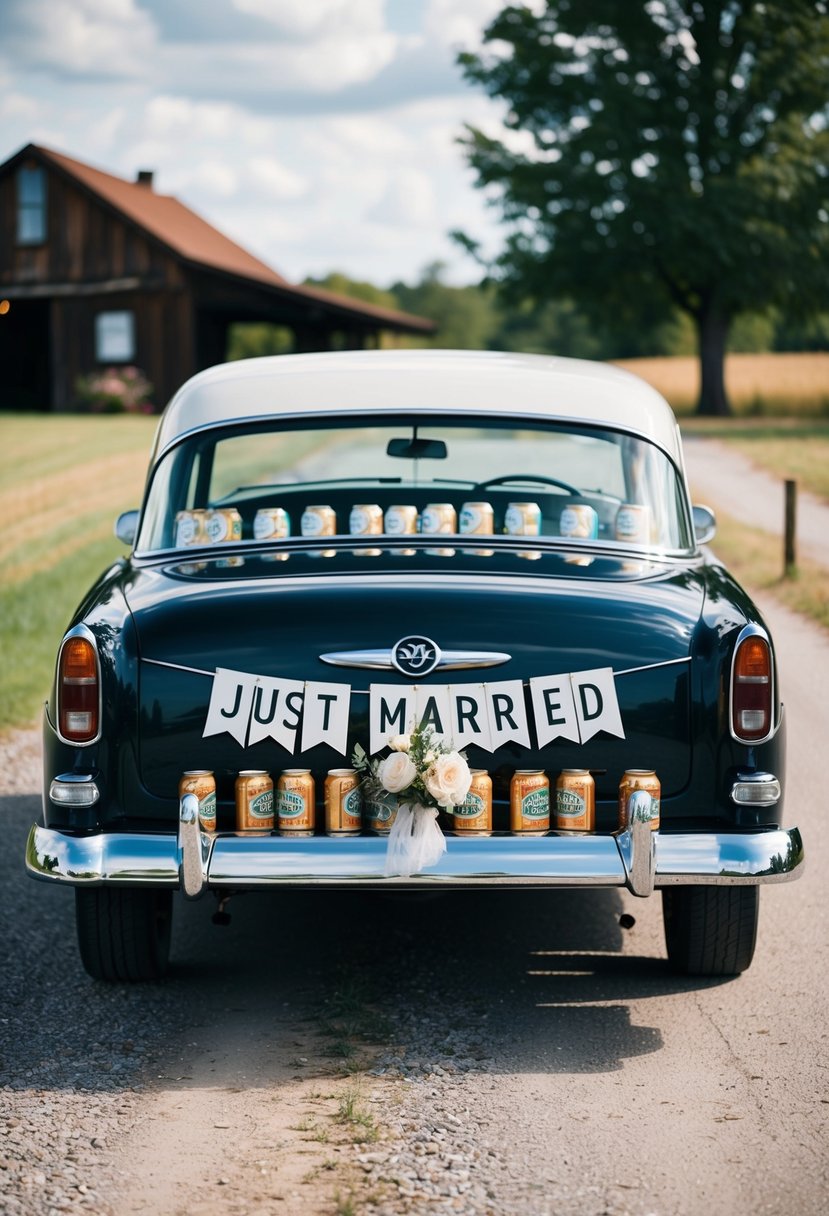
(254,801)
(190,528)
(379,813)
(529,802)
(640,794)
(318,521)
(439,519)
(575,801)
(366,519)
(401,520)
(295,809)
(579,521)
(201,783)
(633,523)
(223,524)
(477,519)
(522,519)
(343,802)
(474,815)
(271,523)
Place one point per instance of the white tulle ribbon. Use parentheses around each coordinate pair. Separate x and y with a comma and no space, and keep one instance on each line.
(415,840)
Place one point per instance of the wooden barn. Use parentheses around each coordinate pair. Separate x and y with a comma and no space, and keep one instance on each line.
(97,271)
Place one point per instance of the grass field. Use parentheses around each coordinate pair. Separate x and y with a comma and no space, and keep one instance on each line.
(65,478)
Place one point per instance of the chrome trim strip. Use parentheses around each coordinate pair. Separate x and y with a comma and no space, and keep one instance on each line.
(200,671)
(231,860)
(79,631)
(450,660)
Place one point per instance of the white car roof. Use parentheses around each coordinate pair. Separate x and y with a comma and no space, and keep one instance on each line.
(421,381)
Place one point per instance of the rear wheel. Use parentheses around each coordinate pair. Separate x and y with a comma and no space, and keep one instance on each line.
(710,930)
(124,934)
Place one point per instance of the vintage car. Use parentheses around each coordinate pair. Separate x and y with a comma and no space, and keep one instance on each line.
(334,549)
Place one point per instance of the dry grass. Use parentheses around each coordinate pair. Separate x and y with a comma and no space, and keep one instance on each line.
(758,384)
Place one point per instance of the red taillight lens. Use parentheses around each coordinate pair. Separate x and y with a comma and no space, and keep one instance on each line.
(78,691)
(751,708)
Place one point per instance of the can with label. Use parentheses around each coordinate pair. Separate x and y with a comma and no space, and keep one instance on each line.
(318,521)
(474,815)
(401,520)
(190,528)
(271,523)
(379,813)
(295,809)
(439,519)
(477,519)
(579,521)
(633,523)
(366,519)
(522,519)
(343,802)
(640,794)
(223,524)
(201,783)
(254,801)
(575,801)
(529,802)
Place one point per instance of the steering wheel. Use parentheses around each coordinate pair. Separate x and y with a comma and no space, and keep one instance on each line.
(547,481)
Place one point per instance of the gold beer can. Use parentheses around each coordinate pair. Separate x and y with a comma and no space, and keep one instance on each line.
(633,523)
(295,809)
(474,815)
(254,801)
(319,520)
(401,520)
(343,802)
(366,519)
(477,519)
(579,521)
(201,783)
(439,519)
(522,519)
(640,794)
(380,813)
(190,528)
(222,525)
(529,802)
(575,801)
(271,523)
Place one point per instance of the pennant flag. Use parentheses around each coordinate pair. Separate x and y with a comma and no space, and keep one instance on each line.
(231,700)
(277,706)
(391,711)
(554,709)
(325,715)
(507,714)
(469,716)
(432,709)
(597,708)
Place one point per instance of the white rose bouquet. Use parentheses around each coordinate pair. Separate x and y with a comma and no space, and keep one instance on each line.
(425,774)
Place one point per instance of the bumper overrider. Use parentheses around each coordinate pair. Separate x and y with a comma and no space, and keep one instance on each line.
(638,859)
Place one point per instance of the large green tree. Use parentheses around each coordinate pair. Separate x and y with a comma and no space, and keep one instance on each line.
(663,154)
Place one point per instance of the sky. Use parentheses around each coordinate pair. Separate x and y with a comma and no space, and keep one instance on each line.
(319,134)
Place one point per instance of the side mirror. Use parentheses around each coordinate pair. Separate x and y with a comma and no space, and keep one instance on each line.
(126,527)
(705,524)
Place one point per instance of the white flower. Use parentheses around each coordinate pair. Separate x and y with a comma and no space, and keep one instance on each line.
(448,779)
(400,743)
(430,757)
(396,772)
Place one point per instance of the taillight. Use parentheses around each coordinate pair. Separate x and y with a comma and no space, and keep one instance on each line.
(78,690)
(751,689)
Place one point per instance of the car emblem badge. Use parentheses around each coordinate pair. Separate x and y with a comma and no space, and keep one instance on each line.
(415,656)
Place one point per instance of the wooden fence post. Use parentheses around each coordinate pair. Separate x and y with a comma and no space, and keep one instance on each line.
(790,528)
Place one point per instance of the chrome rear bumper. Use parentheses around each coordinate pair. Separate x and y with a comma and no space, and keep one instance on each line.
(637,859)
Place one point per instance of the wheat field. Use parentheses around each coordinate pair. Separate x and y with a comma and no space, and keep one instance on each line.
(758,384)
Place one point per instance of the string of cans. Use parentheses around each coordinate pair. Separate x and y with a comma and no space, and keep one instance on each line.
(577,521)
(535,809)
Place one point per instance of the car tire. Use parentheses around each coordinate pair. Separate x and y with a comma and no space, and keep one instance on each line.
(124,935)
(710,930)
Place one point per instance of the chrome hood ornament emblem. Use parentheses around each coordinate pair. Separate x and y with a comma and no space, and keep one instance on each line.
(416,656)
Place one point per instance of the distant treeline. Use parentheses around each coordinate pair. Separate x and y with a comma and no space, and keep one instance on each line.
(475,318)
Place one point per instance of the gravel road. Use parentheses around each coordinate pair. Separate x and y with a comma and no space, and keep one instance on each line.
(476,1053)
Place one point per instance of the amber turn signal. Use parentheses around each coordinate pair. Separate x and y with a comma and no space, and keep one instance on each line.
(751,692)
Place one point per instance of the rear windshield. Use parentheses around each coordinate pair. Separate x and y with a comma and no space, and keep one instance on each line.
(573,484)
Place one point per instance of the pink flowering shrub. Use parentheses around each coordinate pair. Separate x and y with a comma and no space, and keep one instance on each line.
(118,390)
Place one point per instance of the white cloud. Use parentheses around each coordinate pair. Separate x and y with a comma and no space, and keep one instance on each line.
(459,23)
(408,202)
(311,18)
(97,37)
(275,181)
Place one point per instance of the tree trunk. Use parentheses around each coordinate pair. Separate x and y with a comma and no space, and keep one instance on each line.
(712,331)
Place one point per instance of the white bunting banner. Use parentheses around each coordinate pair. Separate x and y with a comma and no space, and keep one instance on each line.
(391,711)
(554,709)
(469,715)
(325,716)
(597,708)
(574,706)
(507,714)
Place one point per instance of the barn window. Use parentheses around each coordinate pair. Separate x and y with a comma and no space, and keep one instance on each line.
(115,337)
(31,206)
